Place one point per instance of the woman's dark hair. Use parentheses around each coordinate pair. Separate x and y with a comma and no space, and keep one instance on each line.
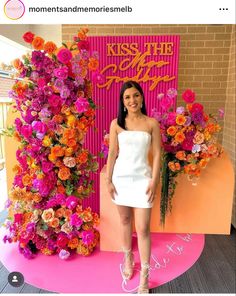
(121,112)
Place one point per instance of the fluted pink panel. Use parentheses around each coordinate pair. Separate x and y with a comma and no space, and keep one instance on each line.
(107,100)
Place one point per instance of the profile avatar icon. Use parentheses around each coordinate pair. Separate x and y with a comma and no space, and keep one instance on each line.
(16,279)
(14,9)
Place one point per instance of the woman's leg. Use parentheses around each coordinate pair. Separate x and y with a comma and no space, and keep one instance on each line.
(125,214)
(142,224)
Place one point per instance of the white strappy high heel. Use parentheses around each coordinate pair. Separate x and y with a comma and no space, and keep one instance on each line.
(128,269)
(144,272)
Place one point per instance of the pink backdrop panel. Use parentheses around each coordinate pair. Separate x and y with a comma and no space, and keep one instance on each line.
(150,60)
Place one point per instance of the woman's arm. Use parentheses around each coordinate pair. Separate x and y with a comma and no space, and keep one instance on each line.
(112,155)
(156,153)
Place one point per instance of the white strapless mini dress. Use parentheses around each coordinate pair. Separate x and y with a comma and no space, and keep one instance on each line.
(132,173)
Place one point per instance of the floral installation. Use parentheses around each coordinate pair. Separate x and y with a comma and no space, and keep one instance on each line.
(53,94)
(105,145)
(189,141)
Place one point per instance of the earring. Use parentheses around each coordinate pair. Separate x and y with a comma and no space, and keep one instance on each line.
(142,105)
(124,109)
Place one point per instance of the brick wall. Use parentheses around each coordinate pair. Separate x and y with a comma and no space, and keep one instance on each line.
(207,65)
(229,124)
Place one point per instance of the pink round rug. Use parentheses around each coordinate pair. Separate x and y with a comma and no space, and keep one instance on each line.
(172,255)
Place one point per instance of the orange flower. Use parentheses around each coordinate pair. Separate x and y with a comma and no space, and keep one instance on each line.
(17,136)
(93,64)
(46,251)
(177,166)
(180,119)
(46,141)
(69,133)
(37,197)
(69,151)
(189,107)
(71,120)
(50,47)
(71,143)
(190,157)
(171,166)
(198,138)
(180,155)
(59,163)
(83,157)
(171,131)
(73,243)
(57,151)
(54,223)
(17,64)
(17,169)
(61,189)
(52,158)
(82,249)
(87,215)
(26,180)
(64,173)
(60,212)
(58,118)
(65,110)
(38,43)
(67,213)
(203,163)
(179,137)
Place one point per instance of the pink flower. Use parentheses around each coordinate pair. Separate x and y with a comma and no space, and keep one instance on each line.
(61,73)
(47,166)
(83,45)
(171,92)
(97,77)
(221,113)
(82,105)
(64,56)
(188,96)
(87,237)
(55,100)
(166,103)
(171,119)
(75,220)
(71,202)
(196,107)
(26,131)
(41,82)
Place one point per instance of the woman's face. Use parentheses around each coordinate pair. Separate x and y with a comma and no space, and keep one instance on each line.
(132,99)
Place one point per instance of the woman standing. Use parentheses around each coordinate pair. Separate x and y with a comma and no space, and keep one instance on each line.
(130,180)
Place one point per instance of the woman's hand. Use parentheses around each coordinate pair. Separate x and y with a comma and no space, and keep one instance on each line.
(111,189)
(151,191)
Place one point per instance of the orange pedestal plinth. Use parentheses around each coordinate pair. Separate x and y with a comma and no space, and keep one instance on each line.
(205,208)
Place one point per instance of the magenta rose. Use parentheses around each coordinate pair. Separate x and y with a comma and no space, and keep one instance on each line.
(28,37)
(196,107)
(83,45)
(75,220)
(64,56)
(82,104)
(39,127)
(55,100)
(71,202)
(47,166)
(188,96)
(87,237)
(26,131)
(61,73)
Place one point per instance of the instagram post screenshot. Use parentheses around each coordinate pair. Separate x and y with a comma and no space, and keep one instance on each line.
(117,147)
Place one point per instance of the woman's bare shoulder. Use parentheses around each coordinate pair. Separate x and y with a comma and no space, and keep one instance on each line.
(114,124)
(152,122)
